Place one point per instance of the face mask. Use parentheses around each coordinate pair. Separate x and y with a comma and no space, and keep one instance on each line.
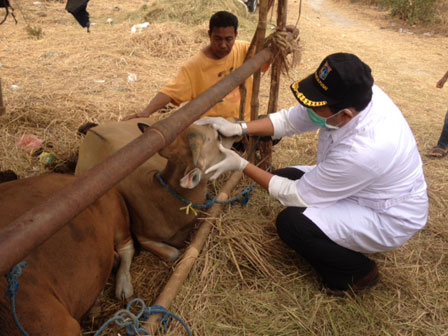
(321,121)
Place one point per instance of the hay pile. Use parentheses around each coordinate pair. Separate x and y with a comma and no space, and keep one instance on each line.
(246,282)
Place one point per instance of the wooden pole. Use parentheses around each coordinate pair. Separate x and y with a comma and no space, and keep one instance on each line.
(266,143)
(174,284)
(259,44)
(2,107)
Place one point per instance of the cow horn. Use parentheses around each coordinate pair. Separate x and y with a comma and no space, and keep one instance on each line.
(195,140)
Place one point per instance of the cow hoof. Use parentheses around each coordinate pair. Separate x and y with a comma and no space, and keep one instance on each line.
(173,255)
(123,288)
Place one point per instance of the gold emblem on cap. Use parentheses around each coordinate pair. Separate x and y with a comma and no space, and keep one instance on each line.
(300,96)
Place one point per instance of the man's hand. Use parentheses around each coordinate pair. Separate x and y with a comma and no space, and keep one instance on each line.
(232,161)
(133,116)
(223,126)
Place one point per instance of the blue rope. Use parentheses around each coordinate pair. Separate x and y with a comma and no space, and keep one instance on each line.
(242,198)
(13,288)
(125,319)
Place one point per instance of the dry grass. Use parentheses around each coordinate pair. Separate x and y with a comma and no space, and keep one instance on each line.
(246,282)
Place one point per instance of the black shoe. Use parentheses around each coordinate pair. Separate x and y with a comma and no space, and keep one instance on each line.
(368,281)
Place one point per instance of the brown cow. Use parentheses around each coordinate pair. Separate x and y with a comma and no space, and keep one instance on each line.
(65,274)
(156,216)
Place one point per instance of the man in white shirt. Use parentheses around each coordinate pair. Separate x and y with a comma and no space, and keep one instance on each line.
(367,192)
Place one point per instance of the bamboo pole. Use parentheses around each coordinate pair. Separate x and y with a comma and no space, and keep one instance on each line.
(38,224)
(174,284)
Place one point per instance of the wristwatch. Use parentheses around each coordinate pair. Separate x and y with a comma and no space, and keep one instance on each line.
(243,128)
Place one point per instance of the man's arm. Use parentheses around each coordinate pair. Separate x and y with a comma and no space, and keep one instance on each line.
(282,188)
(442,81)
(160,100)
(263,127)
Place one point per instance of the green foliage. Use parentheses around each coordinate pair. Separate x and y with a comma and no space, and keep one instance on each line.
(412,11)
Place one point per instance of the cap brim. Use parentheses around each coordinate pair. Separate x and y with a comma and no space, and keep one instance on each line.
(307,93)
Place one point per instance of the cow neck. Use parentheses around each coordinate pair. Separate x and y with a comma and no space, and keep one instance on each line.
(172,174)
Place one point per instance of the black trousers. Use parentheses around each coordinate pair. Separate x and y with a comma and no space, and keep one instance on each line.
(338,266)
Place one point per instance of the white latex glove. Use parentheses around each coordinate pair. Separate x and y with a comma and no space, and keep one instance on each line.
(232,161)
(223,126)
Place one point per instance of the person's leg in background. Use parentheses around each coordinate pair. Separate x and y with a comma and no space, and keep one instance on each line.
(441,150)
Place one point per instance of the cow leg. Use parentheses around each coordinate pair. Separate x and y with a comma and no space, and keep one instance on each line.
(180,238)
(95,311)
(123,286)
(162,250)
(50,318)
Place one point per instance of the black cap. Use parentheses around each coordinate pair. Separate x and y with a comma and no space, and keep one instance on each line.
(336,80)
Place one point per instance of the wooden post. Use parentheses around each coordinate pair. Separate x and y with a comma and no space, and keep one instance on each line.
(265,144)
(2,107)
(260,34)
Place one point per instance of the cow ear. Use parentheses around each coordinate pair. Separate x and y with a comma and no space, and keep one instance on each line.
(142,127)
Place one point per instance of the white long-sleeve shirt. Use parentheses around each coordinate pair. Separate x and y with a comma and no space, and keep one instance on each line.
(372,162)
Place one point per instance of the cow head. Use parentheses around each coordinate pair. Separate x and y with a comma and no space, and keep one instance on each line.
(195,150)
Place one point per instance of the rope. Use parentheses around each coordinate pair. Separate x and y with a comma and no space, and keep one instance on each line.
(124,318)
(242,198)
(13,288)
(300,13)
(281,44)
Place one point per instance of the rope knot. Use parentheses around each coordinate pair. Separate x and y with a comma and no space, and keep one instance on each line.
(13,288)
(12,276)
(126,319)
(283,43)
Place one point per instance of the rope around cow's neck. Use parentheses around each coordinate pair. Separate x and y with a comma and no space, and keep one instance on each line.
(242,198)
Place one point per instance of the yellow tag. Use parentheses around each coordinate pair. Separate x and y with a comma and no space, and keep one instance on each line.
(188,208)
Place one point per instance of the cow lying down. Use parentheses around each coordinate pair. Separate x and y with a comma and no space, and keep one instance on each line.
(65,274)
(156,219)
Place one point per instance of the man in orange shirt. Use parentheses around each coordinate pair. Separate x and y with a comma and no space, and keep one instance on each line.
(218,59)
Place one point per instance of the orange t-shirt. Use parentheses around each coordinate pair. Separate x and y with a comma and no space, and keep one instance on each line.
(201,72)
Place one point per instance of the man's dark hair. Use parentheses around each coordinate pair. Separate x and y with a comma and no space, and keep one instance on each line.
(223,19)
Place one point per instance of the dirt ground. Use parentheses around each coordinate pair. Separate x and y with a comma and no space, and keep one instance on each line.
(53,84)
